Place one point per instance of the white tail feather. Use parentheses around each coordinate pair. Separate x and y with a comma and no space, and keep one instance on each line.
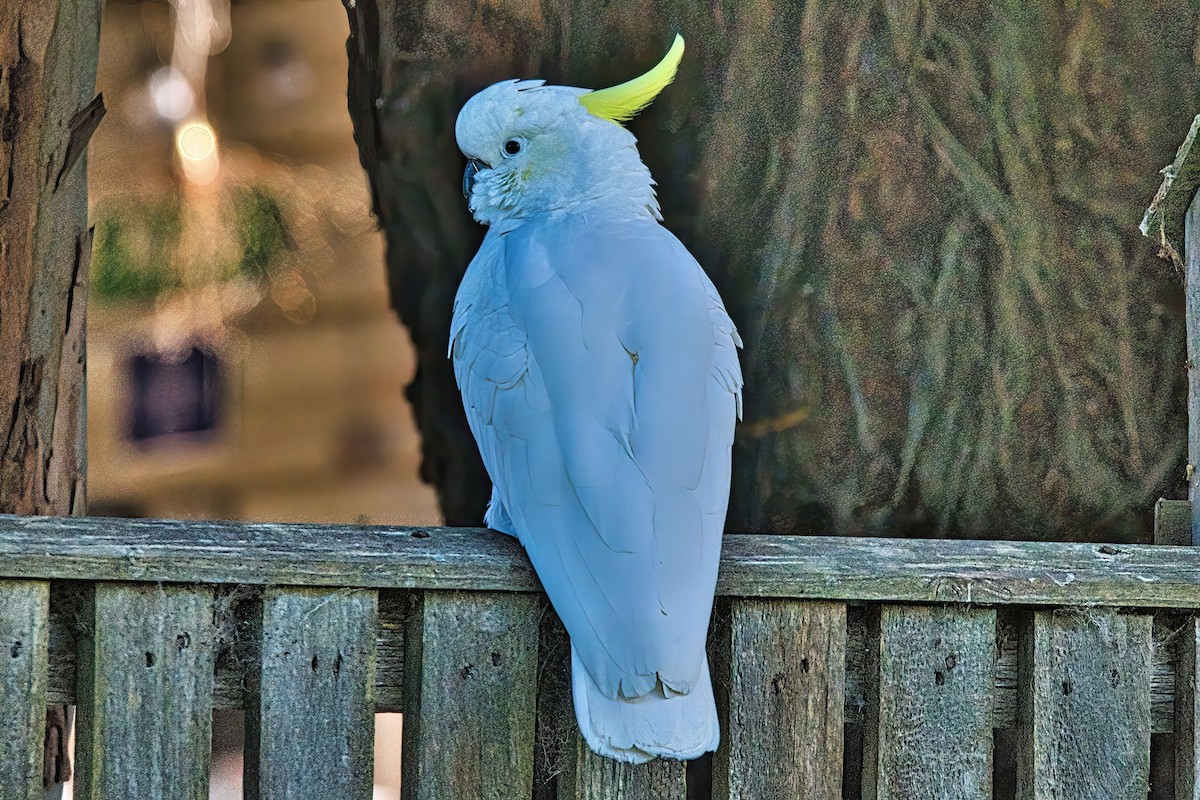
(677,726)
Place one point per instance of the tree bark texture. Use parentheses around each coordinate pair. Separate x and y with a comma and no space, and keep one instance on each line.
(48,55)
(48,58)
(922,216)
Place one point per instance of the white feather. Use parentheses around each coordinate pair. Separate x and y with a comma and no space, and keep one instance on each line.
(599,373)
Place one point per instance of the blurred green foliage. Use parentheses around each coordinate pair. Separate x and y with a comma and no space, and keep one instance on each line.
(135,249)
(261,231)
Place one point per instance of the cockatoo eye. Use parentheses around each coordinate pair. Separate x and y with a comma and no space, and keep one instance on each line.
(512,147)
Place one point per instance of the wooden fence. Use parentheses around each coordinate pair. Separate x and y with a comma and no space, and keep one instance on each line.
(949,662)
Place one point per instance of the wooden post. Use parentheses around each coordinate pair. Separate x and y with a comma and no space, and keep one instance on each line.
(782,676)
(310,727)
(470,677)
(145,692)
(48,56)
(1084,697)
(936,677)
(1191,294)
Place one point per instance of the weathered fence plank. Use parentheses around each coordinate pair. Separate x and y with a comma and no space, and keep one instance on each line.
(782,688)
(1085,706)
(812,568)
(936,681)
(1191,302)
(471,688)
(1187,712)
(234,669)
(146,682)
(1173,522)
(311,727)
(24,640)
(389,652)
(595,778)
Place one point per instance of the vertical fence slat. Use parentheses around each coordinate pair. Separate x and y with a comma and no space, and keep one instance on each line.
(936,686)
(1085,706)
(310,728)
(566,765)
(145,692)
(24,639)
(596,778)
(783,679)
(470,696)
(1187,713)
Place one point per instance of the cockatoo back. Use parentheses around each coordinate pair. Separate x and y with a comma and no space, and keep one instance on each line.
(599,373)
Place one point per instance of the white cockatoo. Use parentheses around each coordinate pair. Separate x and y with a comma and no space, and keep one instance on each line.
(600,376)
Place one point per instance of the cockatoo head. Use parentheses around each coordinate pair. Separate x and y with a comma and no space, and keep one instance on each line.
(537,149)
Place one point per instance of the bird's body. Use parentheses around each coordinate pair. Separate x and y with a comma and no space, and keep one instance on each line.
(599,372)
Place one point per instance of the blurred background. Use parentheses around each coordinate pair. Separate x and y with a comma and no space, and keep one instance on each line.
(923,217)
(243,360)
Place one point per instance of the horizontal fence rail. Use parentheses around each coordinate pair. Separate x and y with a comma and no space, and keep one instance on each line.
(842,667)
(800,567)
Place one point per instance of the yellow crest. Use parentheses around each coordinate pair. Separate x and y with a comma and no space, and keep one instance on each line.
(620,103)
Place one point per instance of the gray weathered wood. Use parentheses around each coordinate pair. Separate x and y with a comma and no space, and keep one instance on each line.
(783,730)
(818,568)
(311,728)
(145,697)
(235,665)
(24,639)
(1187,712)
(937,677)
(1085,706)
(1191,302)
(596,778)
(1173,522)
(471,688)
(389,652)
(1164,659)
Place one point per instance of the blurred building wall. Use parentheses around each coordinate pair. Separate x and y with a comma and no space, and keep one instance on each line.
(311,423)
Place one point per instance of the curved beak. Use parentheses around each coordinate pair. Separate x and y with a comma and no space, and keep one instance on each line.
(473,167)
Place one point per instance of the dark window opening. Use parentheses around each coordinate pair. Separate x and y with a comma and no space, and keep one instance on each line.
(174,395)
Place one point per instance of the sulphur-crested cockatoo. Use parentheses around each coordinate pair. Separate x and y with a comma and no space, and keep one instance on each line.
(600,376)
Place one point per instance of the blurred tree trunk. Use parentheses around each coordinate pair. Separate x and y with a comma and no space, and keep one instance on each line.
(48,56)
(923,217)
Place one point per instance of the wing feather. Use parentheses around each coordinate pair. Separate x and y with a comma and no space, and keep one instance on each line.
(600,376)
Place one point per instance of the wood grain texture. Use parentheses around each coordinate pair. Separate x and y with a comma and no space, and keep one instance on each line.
(235,659)
(1173,522)
(48,57)
(24,642)
(596,778)
(1187,712)
(1191,301)
(311,728)
(814,568)
(936,683)
(471,690)
(49,50)
(783,697)
(146,682)
(1085,706)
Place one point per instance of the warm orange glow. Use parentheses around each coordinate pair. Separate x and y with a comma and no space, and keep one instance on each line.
(196,141)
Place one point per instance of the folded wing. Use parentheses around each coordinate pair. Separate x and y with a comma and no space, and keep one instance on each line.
(599,373)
